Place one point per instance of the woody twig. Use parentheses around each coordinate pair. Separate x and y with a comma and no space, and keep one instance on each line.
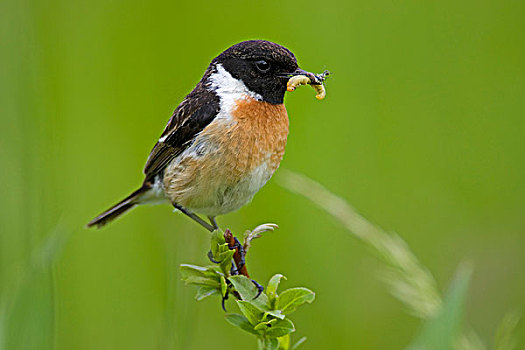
(239,255)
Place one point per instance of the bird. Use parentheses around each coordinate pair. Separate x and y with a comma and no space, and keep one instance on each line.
(224,141)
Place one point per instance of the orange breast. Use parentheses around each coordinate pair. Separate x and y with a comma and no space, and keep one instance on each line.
(257,134)
(262,130)
(241,153)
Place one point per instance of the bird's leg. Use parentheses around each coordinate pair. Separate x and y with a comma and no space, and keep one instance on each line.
(194,217)
(213,222)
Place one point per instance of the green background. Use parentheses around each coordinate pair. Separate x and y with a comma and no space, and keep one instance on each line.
(422,130)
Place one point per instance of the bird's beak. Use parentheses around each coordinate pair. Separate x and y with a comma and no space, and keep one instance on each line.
(314,79)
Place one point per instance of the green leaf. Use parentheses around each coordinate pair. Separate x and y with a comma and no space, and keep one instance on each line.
(194,269)
(256,233)
(241,322)
(224,250)
(252,312)
(275,313)
(204,292)
(271,289)
(248,291)
(292,298)
(280,328)
(440,332)
(244,287)
(224,286)
(198,275)
(221,252)
(217,239)
(265,325)
(225,261)
(284,342)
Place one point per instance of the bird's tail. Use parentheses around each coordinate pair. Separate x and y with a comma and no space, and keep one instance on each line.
(119,208)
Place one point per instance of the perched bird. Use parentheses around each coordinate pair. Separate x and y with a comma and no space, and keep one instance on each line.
(224,141)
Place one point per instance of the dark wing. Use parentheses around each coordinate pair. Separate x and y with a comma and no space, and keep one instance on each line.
(197,110)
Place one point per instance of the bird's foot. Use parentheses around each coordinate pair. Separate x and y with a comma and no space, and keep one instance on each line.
(224,298)
(260,289)
(210,257)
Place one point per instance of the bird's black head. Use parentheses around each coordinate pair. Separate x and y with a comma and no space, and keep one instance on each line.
(261,65)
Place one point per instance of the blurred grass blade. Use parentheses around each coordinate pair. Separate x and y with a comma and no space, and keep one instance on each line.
(299,343)
(408,279)
(29,321)
(469,340)
(28,311)
(441,332)
(505,339)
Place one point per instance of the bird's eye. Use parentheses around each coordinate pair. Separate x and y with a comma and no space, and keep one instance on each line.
(263,66)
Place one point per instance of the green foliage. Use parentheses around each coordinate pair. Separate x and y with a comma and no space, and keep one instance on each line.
(221,252)
(201,276)
(265,315)
(441,332)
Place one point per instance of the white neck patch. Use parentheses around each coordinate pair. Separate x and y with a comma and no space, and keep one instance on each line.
(230,89)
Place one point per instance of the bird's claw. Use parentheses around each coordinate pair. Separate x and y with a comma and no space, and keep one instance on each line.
(260,289)
(210,257)
(224,298)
